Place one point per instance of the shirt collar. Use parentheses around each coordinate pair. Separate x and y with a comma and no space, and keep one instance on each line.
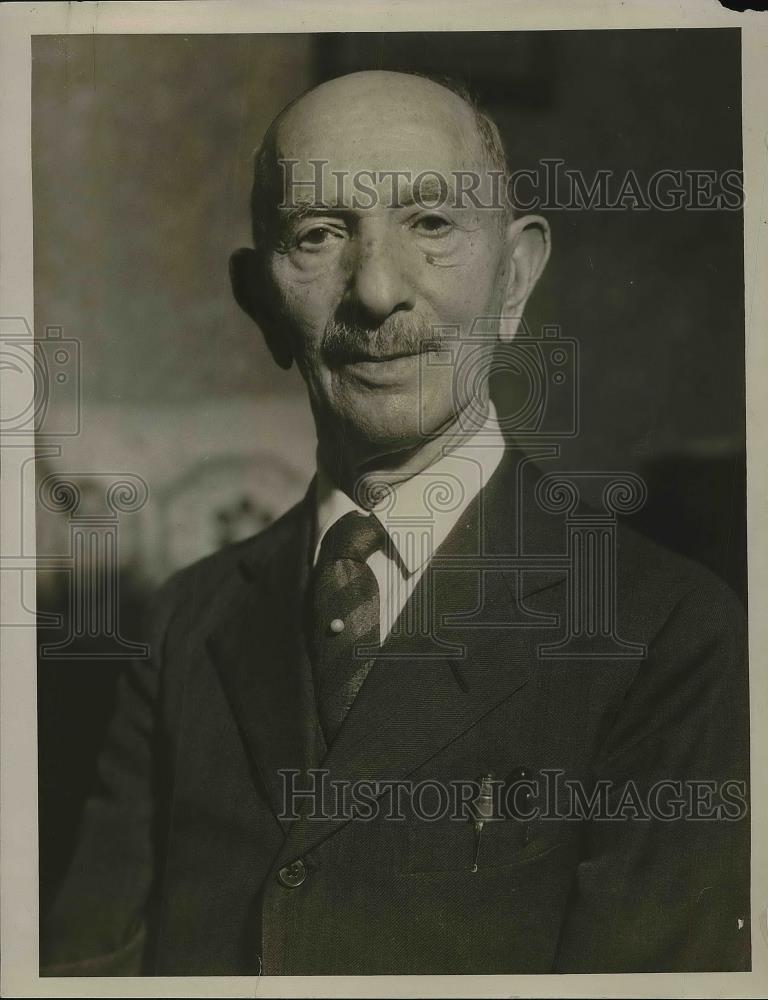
(435,497)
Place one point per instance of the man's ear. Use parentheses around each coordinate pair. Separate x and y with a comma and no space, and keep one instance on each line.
(246,274)
(528,245)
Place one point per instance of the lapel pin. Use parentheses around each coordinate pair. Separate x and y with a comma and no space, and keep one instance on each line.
(482,808)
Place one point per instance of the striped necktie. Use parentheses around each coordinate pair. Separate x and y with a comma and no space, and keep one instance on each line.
(344,615)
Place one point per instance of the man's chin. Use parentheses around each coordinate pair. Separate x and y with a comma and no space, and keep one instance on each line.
(381,437)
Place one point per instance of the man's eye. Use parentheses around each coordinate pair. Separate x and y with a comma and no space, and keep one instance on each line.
(433,225)
(316,238)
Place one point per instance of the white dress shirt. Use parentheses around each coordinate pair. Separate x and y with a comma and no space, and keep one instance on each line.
(417,514)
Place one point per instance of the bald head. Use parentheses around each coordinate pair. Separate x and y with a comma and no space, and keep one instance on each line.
(414,100)
(375,120)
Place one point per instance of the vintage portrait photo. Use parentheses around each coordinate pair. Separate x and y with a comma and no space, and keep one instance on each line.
(387,460)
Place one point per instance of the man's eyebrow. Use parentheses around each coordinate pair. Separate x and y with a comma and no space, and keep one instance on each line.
(307,209)
(431,191)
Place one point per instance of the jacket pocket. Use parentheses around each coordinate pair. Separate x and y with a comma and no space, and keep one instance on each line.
(452,845)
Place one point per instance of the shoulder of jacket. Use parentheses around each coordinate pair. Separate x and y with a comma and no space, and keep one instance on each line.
(207,576)
(653,583)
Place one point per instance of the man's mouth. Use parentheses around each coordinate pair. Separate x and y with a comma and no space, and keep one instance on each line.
(382,371)
(362,356)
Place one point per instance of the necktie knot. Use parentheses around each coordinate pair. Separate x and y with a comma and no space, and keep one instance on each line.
(354,536)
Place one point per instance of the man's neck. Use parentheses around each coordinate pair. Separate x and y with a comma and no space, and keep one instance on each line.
(368,481)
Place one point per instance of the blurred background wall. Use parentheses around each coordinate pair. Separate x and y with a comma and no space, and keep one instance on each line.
(142,152)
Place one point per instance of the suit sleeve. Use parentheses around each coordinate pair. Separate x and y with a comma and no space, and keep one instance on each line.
(97,924)
(672,894)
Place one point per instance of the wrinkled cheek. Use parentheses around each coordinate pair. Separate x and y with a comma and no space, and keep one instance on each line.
(314,373)
(303,316)
(305,293)
(437,395)
(463,381)
(461,296)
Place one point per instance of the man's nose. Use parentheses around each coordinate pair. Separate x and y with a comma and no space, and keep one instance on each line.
(379,285)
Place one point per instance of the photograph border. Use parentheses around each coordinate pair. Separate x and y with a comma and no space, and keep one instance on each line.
(18,738)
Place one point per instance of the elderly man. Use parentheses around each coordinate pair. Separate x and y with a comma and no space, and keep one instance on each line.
(318,770)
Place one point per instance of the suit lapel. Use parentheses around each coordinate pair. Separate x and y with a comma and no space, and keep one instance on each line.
(427,688)
(260,656)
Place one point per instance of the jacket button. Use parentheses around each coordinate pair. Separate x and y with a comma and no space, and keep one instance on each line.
(292,875)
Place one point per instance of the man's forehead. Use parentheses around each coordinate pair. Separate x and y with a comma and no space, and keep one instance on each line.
(380,120)
(376,140)
(356,143)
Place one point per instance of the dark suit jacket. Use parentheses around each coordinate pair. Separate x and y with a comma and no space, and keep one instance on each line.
(177,868)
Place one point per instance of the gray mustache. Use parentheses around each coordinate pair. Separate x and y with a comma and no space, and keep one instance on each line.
(346,343)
